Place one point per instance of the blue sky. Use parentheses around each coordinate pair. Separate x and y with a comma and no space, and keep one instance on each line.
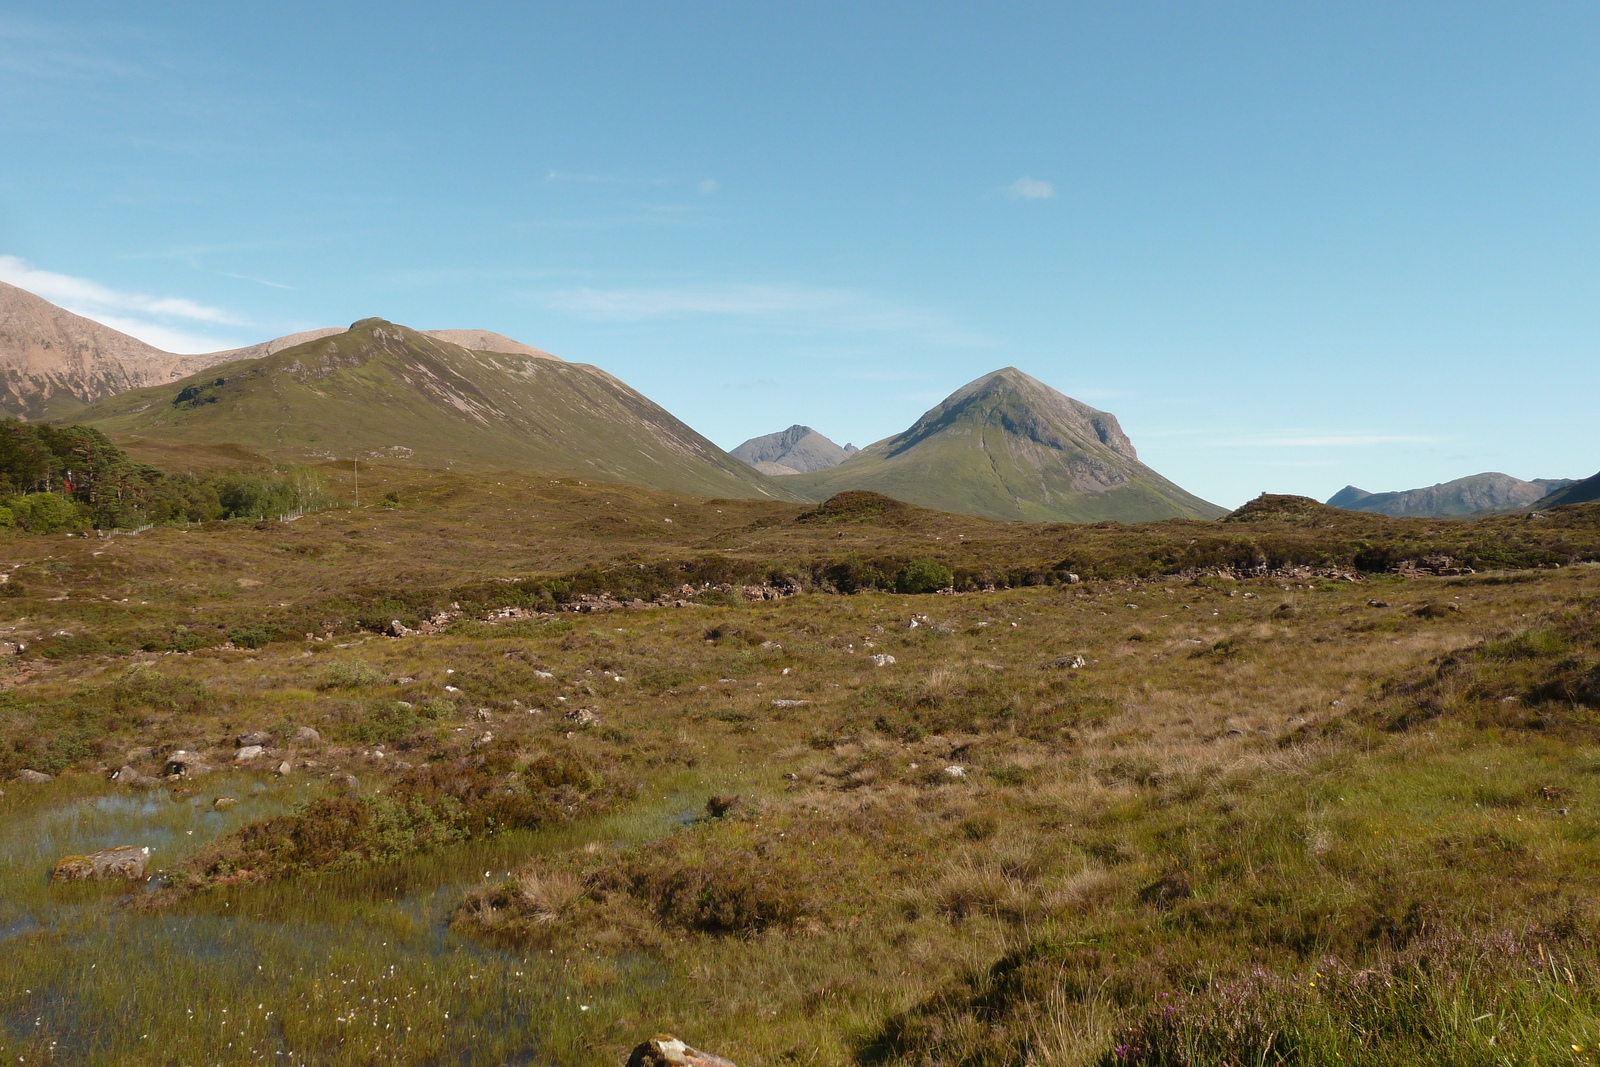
(1290,246)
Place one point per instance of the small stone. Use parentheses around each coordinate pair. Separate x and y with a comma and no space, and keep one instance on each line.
(790,703)
(955,770)
(307,736)
(223,803)
(582,717)
(881,659)
(1377,603)
(1070,663)
(249,752)
(282,769)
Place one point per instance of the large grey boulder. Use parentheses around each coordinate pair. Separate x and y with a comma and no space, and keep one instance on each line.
(123,861)
(185,764)
(36,777)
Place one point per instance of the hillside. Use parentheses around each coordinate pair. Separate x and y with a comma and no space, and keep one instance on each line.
(383,391)
(797,450)
(1573,493)
(53,362)
(1007,446)
(1490,491)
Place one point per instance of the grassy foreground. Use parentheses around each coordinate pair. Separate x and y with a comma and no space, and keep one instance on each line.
(1263,821)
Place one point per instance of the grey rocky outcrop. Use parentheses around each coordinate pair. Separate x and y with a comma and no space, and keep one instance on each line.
(123,861)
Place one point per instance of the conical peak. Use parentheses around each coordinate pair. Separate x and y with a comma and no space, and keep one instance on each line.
(1024,406)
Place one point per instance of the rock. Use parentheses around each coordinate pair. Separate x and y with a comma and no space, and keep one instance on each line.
(124,861)
(881,659)
(10,648)
(249,752)
(664,1050)
(790,703)
(771,645)
(543,674)
(254,737)
(397,628)
(955,770)
(307,736)
(483,715)
(1073,579)
(185,764)
(582,717)
(1377,603)
(283,768)
(128,776)
(223,803)
(1071,663)
(36,777)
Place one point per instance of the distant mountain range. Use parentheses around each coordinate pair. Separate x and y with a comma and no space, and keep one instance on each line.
(383,391)
(1007,446)
(1490,491)
(797,450)
(1575,493)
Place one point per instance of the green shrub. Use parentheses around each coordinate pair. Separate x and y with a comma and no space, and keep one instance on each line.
(923,576)
(350,674)
(44,513)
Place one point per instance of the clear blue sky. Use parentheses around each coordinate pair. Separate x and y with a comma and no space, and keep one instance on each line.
(1291,246)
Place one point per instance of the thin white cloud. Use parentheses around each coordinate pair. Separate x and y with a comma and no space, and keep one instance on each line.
(784,305)
(710,185)
(1026,188)
(129,312)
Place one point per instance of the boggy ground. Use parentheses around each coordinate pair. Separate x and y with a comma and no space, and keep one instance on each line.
(1264,821)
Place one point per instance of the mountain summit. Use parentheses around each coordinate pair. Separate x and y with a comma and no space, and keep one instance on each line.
(1007,446)
(383,391)
(797,450)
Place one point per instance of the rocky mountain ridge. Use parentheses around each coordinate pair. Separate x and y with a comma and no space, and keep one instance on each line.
(797,450)
(1487,492)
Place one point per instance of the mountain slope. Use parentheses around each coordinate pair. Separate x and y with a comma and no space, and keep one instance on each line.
(797,450)
(379,390)
(1573,493)
(53,362)
(1007,446)
(1491,491)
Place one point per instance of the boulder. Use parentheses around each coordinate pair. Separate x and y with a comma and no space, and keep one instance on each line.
(185,764)
(223,803)
(283,768)
(582,717)
(881,659)
(307,736)
(36,777)
(124,862)
(664,1050)
(249,752)
(258,738)
(126,775)
(1070,663)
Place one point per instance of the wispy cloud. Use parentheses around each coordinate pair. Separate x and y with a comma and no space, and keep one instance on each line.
(710,185)
(784,305)
(164,321)
(1026,188)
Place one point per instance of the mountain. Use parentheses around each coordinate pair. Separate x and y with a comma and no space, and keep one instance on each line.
(384,391)
(1573,493)
(1491,491)
(1007,446)
(797,450)
(53,362)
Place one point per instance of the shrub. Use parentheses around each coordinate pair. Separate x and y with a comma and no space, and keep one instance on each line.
(46,513)
(350,674)
(923,576)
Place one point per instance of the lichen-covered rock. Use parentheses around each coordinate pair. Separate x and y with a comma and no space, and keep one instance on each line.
(124,861)
(664,1050)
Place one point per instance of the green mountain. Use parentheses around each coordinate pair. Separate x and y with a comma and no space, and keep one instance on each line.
(385,392)
(1490,491)
(1007,446)
(1576,493)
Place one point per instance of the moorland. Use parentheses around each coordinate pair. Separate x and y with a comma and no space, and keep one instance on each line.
(848,782)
